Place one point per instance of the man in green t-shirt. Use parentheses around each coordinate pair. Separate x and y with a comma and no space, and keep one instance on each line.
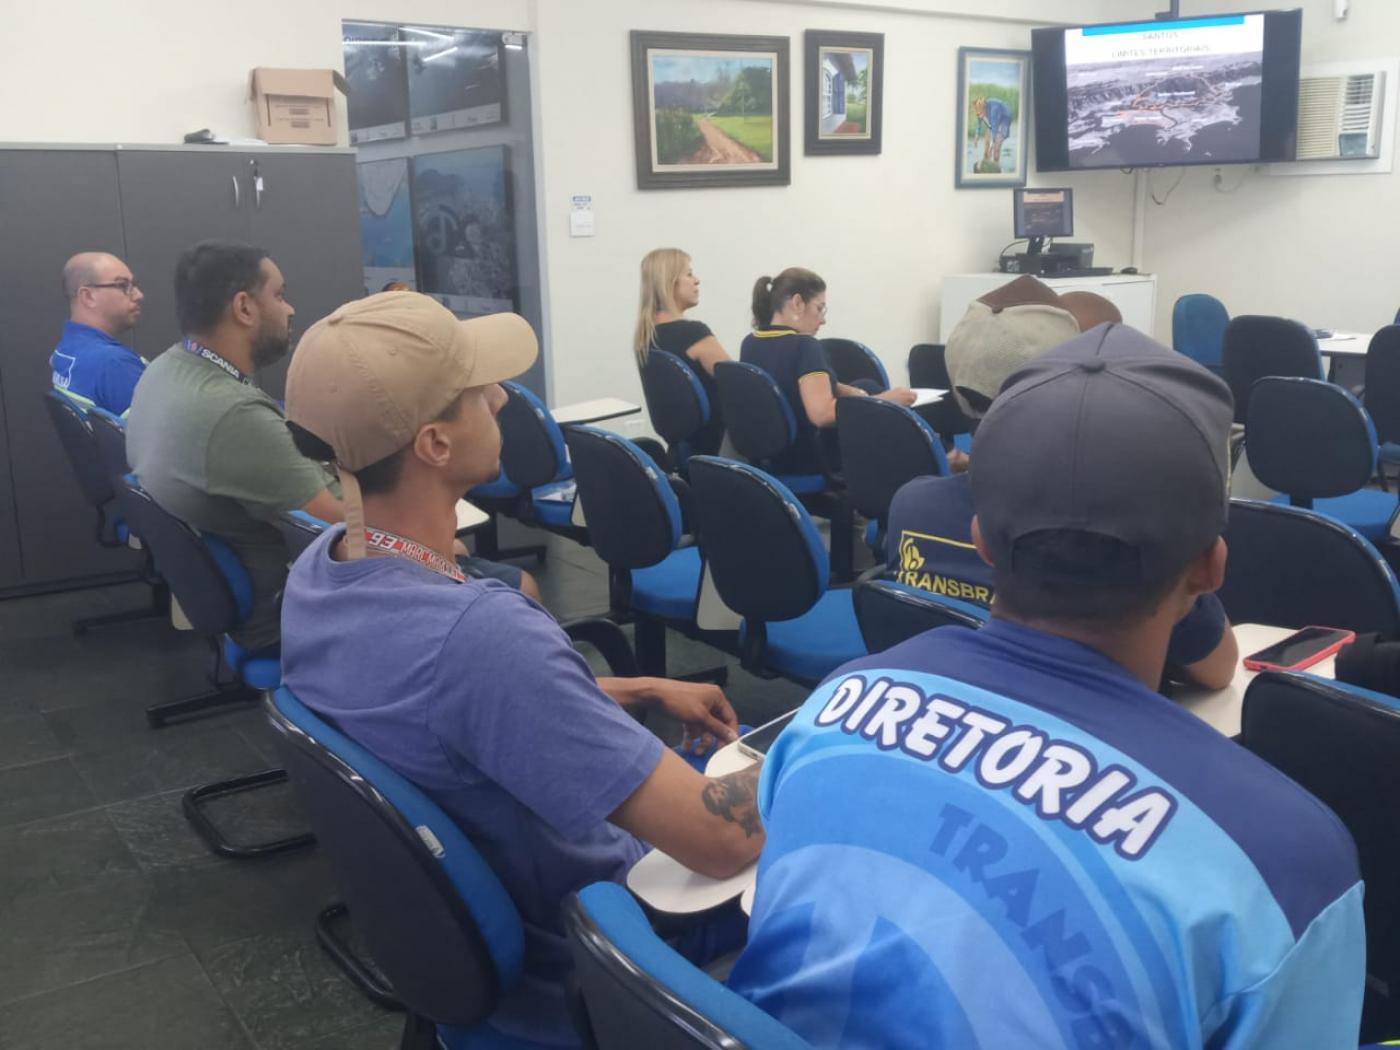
(208,445)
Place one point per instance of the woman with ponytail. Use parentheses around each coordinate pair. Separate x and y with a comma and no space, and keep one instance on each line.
(788,310)
(669,289)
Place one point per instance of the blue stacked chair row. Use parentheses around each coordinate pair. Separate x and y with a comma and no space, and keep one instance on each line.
(441,928)
(762,428)
(446,934)
(206,581)
(1311,440)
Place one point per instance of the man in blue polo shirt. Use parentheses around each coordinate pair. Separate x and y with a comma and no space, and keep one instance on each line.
(1005,838)
(91,364)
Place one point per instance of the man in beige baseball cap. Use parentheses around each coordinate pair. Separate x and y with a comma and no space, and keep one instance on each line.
(929,531)
(367,377)
(465,686)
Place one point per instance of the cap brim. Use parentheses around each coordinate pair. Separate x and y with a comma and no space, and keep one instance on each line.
(1023,291)
(503,346)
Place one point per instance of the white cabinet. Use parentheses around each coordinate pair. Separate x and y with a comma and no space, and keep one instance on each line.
(1135,295)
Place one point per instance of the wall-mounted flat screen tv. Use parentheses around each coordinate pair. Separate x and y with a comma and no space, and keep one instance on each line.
(1215,90)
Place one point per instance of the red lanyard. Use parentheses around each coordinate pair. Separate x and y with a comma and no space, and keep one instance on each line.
(395,545)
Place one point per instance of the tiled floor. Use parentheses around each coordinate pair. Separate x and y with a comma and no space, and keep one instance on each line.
(118,928)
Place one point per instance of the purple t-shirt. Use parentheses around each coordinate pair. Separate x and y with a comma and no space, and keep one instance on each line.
(473,692)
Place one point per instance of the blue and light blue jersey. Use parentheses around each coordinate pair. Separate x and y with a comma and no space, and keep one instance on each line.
(94,369)
(1001,839)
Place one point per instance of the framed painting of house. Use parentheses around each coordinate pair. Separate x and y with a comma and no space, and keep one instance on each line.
(993,117)
(710,110)
(844,75)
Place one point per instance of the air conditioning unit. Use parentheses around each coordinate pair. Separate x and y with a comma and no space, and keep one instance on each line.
(1339,117)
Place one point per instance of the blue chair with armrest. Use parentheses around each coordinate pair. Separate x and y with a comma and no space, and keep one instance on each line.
(299,530)
(109,436)
(440,927)
(761,423)
(1198,329)
(766,558)
(536,481)
(681,411)
(212,587)
(1256,347)
(1339,742)
(890,612)
(763,429)
(73,424)
(928,369)
(1313,441)
(883,445)
(1382,391)
(636,524)
(70,421)
(855,363)
(1291,567)
(631,989)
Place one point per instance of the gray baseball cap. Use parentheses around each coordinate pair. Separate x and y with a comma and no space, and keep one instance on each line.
(1109,434)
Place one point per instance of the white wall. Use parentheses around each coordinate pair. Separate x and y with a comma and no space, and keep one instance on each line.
(1039,12)
(1317,248)
(882,230)
(152,70)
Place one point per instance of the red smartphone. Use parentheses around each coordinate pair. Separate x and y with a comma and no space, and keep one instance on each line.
(1300,649)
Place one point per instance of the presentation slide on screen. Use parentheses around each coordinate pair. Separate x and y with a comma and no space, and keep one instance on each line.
(1148,93)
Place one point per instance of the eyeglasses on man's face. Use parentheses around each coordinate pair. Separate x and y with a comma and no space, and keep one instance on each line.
(127,286)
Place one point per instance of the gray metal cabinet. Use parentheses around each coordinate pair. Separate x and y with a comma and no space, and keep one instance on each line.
(320,260)
(53,203)
(170,200)
(302,207)
(147,205)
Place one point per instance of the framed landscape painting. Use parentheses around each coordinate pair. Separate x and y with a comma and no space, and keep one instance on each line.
(710,110)
(844,95)
(993,116)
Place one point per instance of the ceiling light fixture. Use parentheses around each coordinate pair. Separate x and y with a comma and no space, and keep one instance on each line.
(444,37)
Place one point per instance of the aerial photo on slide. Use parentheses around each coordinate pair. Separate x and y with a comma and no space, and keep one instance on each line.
(1166,96)
(711,109)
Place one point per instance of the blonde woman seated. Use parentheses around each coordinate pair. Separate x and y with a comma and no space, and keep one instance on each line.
(669,289)
(787,312)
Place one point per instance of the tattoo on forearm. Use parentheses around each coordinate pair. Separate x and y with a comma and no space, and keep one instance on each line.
(734,797)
